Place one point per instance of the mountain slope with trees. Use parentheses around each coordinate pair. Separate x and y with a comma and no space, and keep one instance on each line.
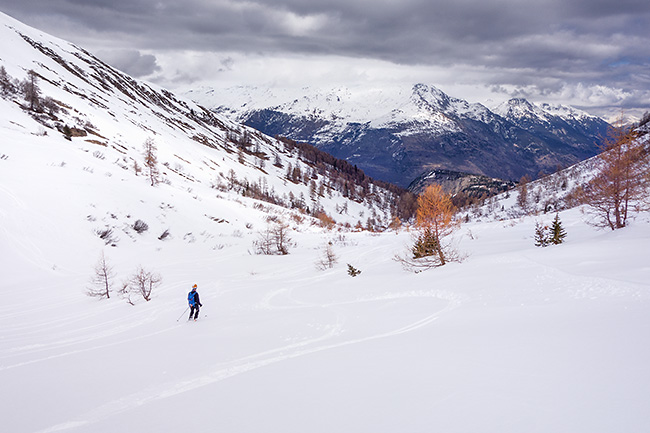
(399,135)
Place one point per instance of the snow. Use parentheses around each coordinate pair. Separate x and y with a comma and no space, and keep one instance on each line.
(424,105)
(519,108)
(521,338)
(515,338)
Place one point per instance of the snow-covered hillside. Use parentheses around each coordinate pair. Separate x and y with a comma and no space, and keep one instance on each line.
(515,338)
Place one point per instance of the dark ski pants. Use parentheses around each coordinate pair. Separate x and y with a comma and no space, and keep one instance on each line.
(194,308)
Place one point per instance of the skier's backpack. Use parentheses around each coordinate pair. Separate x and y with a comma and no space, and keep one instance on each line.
(190,298)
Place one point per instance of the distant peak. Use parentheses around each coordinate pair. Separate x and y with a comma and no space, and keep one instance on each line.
(431,96)
(520,102)
(422,88)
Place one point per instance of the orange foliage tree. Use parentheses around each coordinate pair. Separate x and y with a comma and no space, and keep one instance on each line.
(620,186)
(434,220)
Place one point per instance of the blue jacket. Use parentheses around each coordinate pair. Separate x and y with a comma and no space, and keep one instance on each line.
(193,298)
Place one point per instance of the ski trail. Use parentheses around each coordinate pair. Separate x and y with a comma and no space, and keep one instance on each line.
(89,349)
(249,363)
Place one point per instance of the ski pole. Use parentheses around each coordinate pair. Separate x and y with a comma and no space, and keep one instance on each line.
(188,307)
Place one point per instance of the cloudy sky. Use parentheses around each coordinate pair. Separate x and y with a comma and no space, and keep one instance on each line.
(594,54)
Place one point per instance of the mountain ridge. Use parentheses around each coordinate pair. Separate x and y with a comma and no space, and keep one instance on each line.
(396,135)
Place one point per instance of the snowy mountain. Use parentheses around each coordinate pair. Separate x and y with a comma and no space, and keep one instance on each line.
(517,337)
(554,122)
(398,134)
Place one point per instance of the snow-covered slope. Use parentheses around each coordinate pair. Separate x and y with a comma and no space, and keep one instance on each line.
(515,338)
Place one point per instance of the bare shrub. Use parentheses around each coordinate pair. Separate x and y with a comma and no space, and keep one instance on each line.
(140,226)
(107,235)
(142,282)
(326,221)
(264,243)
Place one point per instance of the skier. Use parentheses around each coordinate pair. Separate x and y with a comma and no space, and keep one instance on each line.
(195,303)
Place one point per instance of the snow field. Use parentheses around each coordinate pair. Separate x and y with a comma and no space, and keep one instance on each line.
(521,338)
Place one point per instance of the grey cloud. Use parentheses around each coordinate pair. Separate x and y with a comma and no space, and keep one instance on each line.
(227,63)
(132,62)
(541,43)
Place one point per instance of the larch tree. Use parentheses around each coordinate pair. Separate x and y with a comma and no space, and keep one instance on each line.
(435,220)
(328,258)
(151,160)
(281,237)
(621,185)
(102,279)
(31,90)
(275,239)
(522,198)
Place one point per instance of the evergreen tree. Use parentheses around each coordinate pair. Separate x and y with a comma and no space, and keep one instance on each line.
(67,132)
(352,271)
(6,87)
(558,233)
(425,245)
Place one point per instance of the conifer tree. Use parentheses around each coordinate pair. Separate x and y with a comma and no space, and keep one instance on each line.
(558,233)
(5,82)
(352,271)
(425,245)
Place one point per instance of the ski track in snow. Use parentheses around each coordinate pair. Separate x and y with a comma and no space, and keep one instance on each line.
(262,359)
